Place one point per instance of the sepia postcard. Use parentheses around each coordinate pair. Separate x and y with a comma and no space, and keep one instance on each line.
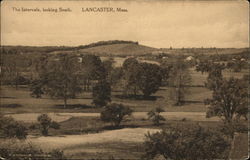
(124,79)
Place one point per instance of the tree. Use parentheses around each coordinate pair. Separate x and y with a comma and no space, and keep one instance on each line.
(214,76)
(61,81)
(149,78)
(237,64)
(203,66)
(183,143)
(108,65)
(214,72)
(45,123)
(101,93)
(36,88)
(179,79)
(131,71)
(116,76)
(10,70)
(155,116)
(115,113)
(165,70)
(91,68)
(12,129)
(229,100)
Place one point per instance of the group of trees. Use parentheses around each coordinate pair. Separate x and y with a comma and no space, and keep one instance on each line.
(64,77)
(143,77)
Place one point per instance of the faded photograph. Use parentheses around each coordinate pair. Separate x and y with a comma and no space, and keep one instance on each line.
(124,80)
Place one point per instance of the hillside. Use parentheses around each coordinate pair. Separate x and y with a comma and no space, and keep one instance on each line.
(121,49)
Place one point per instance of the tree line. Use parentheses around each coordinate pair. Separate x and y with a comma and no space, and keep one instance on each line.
(66,76)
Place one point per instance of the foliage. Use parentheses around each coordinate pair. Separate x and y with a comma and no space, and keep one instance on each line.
(144,77)
(45,123)
(155,116)
(229,100)
(16,151)
(237,64)
(214,76)
(165,71)
(101,94)
(229,129)
(115,113)
(91,68)
(36,88)
(179,79)
(11,128)
(10,69)
(131,71)
(183,143)
(116,76)
(149,78)
(214,72)
(61,81)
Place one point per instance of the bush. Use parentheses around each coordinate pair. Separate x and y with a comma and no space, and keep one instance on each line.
(155,116)
(185,143)
(11,128)
(45,123)
(115,113)
(15,150)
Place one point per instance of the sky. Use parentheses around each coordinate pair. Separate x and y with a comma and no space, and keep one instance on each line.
(160,24)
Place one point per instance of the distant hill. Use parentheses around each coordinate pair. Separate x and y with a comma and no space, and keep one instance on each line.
(121,48)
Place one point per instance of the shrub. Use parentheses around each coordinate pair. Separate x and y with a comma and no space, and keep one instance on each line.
(155,116)
(11,128)
(15,150)
(45,123)
(185,143)
(115,113)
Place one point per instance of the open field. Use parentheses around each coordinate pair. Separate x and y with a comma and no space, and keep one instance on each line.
(117,143)
(126,142)
(26,104)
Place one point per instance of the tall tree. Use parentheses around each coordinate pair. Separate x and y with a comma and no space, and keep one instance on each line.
(91,68)
(229,99)
(131,71)
(61,79)
(179,79)
(101,93)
